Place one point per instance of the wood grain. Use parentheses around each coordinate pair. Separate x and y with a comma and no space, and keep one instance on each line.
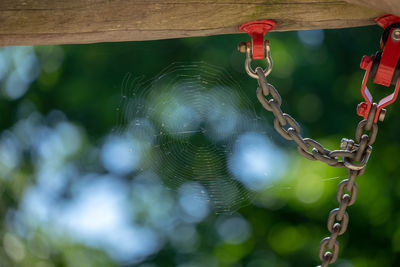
(390,6)
(34,22)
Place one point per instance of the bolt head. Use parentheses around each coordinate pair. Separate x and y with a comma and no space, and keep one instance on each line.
(242,47)
(346,144)
(362,109)
(343,143)
(396,35)
(365,62)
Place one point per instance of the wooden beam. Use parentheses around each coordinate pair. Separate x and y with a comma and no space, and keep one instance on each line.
(35,22)
(390,6)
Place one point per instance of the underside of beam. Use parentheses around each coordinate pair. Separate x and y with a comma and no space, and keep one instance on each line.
(35,22)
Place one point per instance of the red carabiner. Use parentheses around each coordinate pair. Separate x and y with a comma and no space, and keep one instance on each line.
(257,30)
(386,62)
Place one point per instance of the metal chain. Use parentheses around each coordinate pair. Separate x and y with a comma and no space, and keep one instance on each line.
(353,156)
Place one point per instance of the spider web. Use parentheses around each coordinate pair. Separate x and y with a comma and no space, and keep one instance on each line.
(187,119)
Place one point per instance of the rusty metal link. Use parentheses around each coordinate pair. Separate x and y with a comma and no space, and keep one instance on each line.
(351,180)
(342,153)
(338,215)
(330,251)
(338,219)
(341,195)
(279,127)
(361,128)
(353,156)
(355,159)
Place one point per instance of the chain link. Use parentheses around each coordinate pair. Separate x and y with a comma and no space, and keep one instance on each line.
(353,156)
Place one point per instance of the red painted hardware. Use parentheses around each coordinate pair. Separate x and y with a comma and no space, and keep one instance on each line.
(385,71)
(390,54)
(257,30)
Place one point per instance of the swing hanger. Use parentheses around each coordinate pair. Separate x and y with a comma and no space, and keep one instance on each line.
(383,68)
(258,48)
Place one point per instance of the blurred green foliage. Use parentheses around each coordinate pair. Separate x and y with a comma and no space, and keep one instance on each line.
(320,85)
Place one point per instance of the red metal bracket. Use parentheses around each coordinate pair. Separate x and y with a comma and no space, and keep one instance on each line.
(385,70)
(257,30)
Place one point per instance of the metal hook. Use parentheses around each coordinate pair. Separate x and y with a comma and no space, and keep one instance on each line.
(268,58)
(258,48)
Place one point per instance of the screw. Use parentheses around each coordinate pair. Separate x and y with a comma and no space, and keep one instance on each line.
(343,144)
(382,114)
(396,35)
(242,47)
(362,108)
(346,144)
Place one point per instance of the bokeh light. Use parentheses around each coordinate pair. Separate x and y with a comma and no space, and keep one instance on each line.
(185,169)
(256,162)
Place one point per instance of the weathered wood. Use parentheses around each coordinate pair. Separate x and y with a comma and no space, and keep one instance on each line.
(390,6)
(33,22)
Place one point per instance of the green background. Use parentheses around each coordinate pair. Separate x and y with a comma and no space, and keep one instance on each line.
(320,85)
